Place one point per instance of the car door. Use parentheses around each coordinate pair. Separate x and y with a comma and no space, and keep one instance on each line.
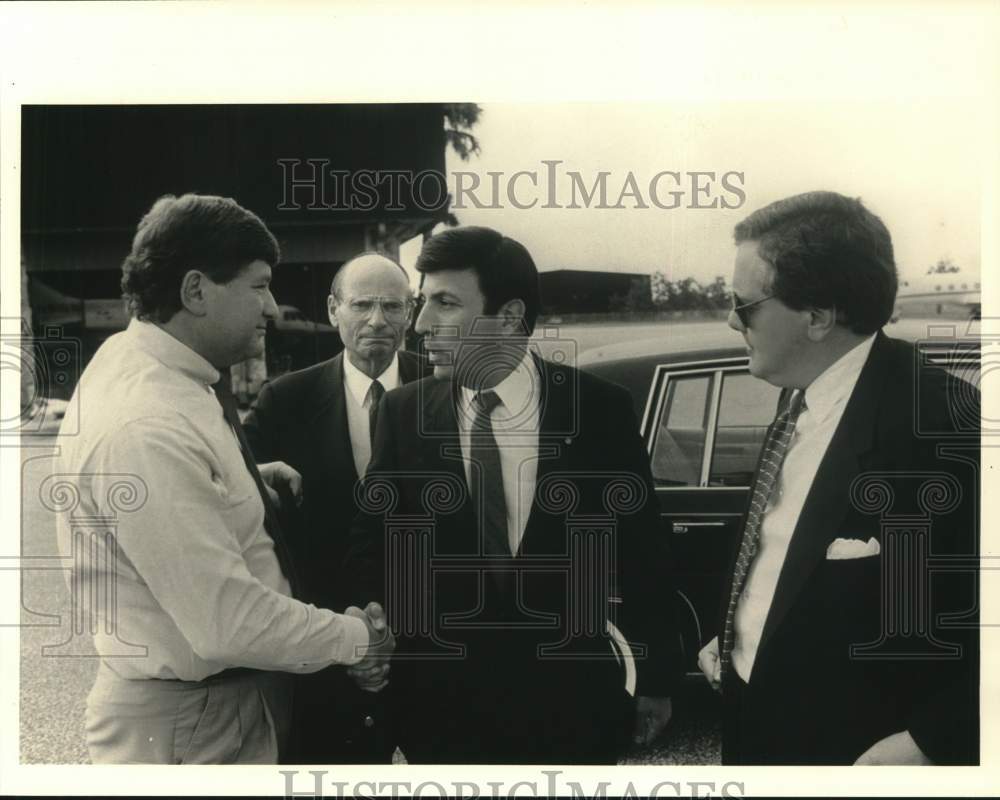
(704,427)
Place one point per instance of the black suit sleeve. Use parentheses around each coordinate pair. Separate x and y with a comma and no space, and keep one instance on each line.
(944,719)
(260,426)
(646,581)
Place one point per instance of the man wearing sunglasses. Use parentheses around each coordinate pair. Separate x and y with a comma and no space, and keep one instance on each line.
(810,660)
(320,419)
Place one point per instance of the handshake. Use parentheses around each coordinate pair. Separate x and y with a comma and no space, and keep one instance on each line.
(371,673)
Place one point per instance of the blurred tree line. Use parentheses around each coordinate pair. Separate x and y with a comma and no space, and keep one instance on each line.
(663,294)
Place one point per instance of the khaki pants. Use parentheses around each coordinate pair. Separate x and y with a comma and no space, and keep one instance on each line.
(232,719)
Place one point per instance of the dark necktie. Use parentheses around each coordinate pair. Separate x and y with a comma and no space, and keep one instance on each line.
(375,392)
(271,523)
(487,484)
(772,457)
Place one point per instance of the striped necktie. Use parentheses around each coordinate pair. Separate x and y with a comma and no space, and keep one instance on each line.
(772,457)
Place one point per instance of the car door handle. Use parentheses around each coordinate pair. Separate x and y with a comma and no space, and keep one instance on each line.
(683,526)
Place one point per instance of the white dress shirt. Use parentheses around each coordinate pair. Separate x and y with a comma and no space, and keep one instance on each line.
(196,579)
(515,426)
(358,387)
(825,400)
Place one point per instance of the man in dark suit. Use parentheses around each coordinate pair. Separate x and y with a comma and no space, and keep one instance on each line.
(509,518)
(849,623)
(319,421)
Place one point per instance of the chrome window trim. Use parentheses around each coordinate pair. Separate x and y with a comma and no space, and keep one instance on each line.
(715,369)
(713,420)
(656,387)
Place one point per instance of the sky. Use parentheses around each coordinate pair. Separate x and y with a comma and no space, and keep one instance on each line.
(915,163)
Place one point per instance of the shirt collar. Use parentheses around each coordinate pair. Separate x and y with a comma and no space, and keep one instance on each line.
(358,384)
(837,381)
(171,351)
(516,391)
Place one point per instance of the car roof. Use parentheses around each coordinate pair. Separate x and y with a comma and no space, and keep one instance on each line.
(633,363)
(678,342)
(714,340)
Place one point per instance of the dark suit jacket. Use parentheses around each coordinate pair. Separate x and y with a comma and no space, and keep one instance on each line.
(477,677)
(301,419)
(810,700)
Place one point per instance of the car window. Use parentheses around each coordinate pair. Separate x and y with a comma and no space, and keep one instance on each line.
(679,443)
(746,409)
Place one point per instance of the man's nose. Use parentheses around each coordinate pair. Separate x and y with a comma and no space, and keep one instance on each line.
(377,316)
(270,306)
(424,320)
(734,321)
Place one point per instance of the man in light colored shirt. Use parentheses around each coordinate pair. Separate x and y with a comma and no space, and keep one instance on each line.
(805,657)
(318,420)
(178,554)
(492,526)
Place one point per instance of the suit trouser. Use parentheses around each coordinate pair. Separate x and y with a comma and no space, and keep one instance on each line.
(733,691)
(335,722)
(233,718)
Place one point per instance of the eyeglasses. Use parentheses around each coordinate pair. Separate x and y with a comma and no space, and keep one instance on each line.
(394,309)
(742,310)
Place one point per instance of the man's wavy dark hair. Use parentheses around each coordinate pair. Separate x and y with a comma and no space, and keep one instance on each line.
(504,267)
(212,234)
(828,251)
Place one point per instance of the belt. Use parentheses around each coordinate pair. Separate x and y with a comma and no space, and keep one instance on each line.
(226,674)
(232,672)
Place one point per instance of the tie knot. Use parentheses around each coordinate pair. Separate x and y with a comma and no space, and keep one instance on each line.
(796,404)
(375,393)
(487,401)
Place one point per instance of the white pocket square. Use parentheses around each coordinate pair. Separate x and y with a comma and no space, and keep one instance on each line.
(840,549)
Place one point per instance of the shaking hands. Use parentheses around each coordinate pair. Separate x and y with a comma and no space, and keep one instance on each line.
(371,673)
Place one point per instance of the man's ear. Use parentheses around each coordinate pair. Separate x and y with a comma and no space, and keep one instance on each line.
(821,322)
(331,310)
(194,292)
(511,316)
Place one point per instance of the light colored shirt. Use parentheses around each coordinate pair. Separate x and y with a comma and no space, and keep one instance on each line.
(825,400)
(195,577)
(515,426)
(358,390)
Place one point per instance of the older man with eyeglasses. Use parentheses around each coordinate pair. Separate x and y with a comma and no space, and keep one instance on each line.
(321,419)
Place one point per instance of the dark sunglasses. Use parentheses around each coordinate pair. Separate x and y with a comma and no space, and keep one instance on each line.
(743,310)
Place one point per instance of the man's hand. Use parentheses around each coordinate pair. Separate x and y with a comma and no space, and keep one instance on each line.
(898,749)
(710,664)
(277,474)
(371,673)
(651,716)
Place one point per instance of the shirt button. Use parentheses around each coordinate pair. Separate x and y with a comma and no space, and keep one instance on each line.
(369,722)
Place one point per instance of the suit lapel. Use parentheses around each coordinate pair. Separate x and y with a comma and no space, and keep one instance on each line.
(329,419)
(410,367)
(555,452)
(330,422)
(439,427)
(828,499)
